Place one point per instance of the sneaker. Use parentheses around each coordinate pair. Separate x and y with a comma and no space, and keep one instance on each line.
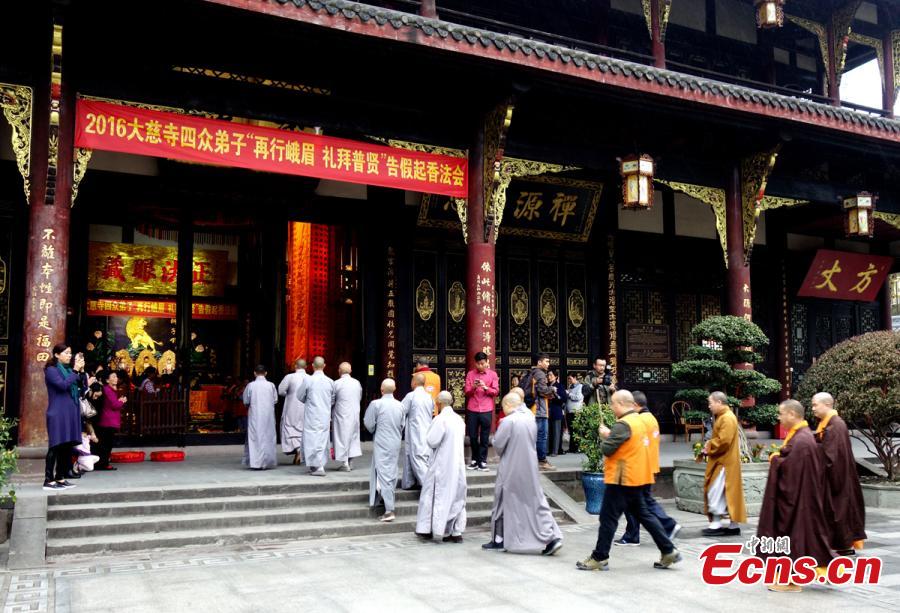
(674,532)
(318,472)
(545,465)
(623,543)
(50,486)
(494,546)
(73,475)
(387,517)
(344,468)
(482,467)
(66,485)
(472,465)
(552,547)
(453,538)
(668,559)
(591,564)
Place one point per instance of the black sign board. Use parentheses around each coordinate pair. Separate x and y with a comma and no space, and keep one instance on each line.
(647,344)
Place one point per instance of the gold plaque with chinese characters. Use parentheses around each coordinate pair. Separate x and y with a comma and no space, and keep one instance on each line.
(456,302)
(425,300)
(149,269)
(518,305)
(548,306)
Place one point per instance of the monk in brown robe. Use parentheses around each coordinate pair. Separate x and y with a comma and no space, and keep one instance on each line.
(845,511)
(793,503)
(723,488)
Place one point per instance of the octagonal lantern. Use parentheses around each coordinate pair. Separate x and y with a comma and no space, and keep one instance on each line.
(637,182)
(858,214)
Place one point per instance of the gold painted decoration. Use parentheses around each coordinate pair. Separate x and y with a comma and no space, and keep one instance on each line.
(576,308)
(895,52)
(892,219)
(874,43)
(755,172)
(150,269)
(611,305)
(82,159)
(145,359)
(511,168)
(821,35)
(714,197)
(518,305)
(122,361)
(135,328)
(456,301)
(456,383)
(166,364)
(425,299)
(548,307)
(16,103)
(665,7)
(842,23)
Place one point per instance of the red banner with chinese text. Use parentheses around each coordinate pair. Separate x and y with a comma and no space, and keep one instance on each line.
(126,129)
(105,307)
(842,275)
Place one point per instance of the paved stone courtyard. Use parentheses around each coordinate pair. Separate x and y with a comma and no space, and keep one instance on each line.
(398,573)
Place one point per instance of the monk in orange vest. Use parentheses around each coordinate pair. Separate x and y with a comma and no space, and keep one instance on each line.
(627,471)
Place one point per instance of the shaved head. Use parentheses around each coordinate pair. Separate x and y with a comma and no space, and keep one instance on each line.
(510,403)
(388,386)
(345,368)
(621,402)
(418,380)
(518,391)
(790,413)
(822,403)
(299,364)
(318,362)
(444,399)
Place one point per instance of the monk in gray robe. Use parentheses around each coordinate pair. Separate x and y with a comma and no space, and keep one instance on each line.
(442,503)
(385,418)
(260,398)
(345,417)
(419,407)
(521,521)
(292,414)
(317,395)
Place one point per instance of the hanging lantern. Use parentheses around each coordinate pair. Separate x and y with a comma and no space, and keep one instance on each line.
(769,13)
(637,182)
(859,211)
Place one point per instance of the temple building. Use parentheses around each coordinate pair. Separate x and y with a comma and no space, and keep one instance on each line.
(393,180)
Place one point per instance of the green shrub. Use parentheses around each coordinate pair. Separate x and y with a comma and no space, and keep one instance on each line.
(863,375)
(9,457)
(585,430)
(763,416)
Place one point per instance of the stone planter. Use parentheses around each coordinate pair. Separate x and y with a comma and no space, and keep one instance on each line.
(689,477)
(881,496)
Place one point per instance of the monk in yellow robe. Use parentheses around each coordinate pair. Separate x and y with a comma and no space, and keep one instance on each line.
(723,488)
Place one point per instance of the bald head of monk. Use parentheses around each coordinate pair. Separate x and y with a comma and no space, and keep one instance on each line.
(444,399)
(318,363)
(790,413)
(622,402)
(345,368)
(510,403)
(388,386)
(822,403)
(418,380)
(299,364)
(518,391)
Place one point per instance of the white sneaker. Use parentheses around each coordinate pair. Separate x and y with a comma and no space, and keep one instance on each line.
(345,467)
(674,532)
(472,465)
(319,472)
(387,517)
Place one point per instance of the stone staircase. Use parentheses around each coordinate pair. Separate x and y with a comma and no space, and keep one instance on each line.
(137,520)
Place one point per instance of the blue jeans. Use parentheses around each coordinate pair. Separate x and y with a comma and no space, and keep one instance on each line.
(541,438)
(633,529)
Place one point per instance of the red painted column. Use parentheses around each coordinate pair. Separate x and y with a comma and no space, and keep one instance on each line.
(834,91)
(481,265)
(889,87)
(658,46)
(46,268)
(738,276)
(428,9)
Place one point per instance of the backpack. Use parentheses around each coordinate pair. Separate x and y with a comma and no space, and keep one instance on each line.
(527,384)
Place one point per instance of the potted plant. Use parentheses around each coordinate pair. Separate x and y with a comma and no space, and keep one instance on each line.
(586,428)
(9,456)
(763,417)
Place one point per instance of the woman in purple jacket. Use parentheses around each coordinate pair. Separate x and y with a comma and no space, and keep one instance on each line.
(65,385)
(110,420)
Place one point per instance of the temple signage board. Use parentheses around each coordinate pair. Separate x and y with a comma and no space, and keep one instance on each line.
(843,275)
(550,207)
(108,307)
(128,129)
(647,343)
(149,269)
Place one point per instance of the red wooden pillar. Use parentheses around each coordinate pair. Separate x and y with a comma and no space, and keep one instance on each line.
(428,9)
(834,91)
(46,268)
(738,285)
(657,44)
(889,87)
(481,266)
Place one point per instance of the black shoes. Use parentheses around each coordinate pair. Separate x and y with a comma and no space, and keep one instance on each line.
(552,547)
(494,546)
(453,539)
(425,537)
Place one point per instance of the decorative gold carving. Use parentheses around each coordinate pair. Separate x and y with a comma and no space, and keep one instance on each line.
(892,219)
(455,359)
(874,43)
(16,101)
(754,176)
(425,300)
(167,363)
(611,306)
(714,197)
(841,24)
(421,148)
(496,126)
(456,384)
(551,180)
(518,305)
(456,302)
(431,358)
(665,7)
(576,308)
(82,159)
(251,80)
(144,359)
(821,35)
(548,306)
(895,52)
(519,361)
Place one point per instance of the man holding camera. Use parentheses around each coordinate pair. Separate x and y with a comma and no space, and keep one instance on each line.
(482,386)
(600,381)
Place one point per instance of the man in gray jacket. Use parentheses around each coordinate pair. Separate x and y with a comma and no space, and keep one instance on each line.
(537,392)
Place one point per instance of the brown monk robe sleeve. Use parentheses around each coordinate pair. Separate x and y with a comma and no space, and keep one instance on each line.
(793,503)
(845,510)
(724,436)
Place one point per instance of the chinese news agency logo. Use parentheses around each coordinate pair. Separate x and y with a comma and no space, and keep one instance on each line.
(721,566)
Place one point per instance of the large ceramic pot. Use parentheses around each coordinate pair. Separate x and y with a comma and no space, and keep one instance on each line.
(594,487)
(689,476)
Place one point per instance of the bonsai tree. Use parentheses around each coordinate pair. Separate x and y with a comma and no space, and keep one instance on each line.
(585,430)
(724,342)
(863,375)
